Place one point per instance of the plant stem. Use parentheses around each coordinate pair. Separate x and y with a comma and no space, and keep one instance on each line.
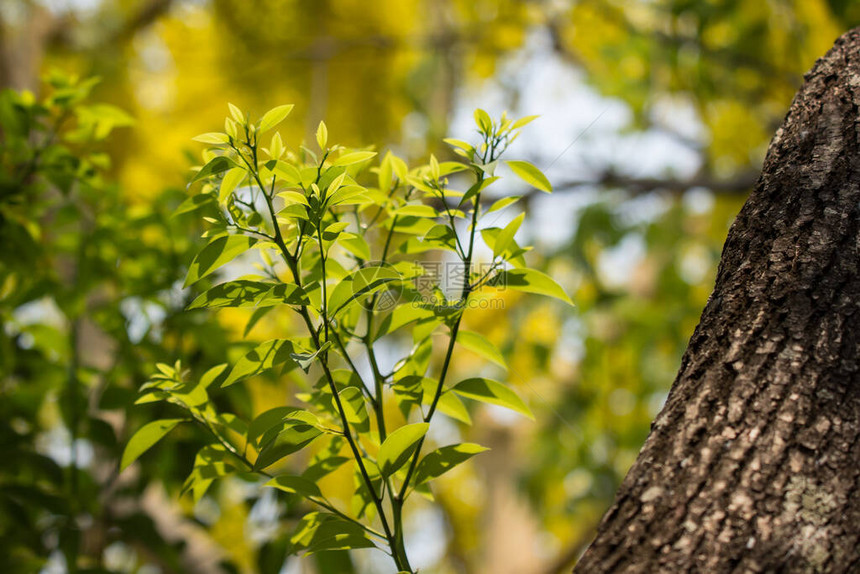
(347,432)
(340,345)
(467,262)
(397,512)
(368,339)
(378,380)
(324,301)
(292,263)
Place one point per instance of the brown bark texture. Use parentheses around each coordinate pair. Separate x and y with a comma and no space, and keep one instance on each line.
(753,465)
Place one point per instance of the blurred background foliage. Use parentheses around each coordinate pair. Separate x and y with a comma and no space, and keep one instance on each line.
(655,118)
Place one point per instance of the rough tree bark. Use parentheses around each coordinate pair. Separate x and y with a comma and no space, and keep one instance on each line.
(753,465)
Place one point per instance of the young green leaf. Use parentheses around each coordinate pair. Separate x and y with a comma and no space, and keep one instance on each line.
(477,188)
(335,229)
(449,403)
(435,172)
(285,439)
(319,531)
(274,116)
(231,128)
(284,294)
(484,121)
(493,392)
(407,393)
(530,174)
(212,462)
(241,293)
(194,203)
(354,407)
(459,144)
(362,499)
(263,357)
(188,394)
(336,183)
(479,345)
(385,173)
(440,236)
(524,121)
(145,438)
(443,459)
(217,164)
(402,315)
(231,422)
(232,178)
(356,245)
(416,210)
(305,360)
(220,250)
(353,157)
(288,172)
(506,235)
(503,203)
(449,167)
(236,113)
(530,281)
(293,198)
(212,375)
(212,138)
(418,360)
(363,282)
(399,446)
(370,276)
(322,135)
(295,485)
(276,416)
(411,225)
(276,148)
(349,195)
(513,254)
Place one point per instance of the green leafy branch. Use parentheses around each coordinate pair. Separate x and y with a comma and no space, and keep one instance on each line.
(292,207)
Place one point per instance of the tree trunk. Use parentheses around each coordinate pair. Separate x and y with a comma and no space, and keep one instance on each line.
(753,465)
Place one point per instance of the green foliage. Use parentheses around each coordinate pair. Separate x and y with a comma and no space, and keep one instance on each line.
(493,392)
(443,459)
(479,345)
(398,447)
(218,252)
(313,219)
(145,438)
(530,174)
(80,270)
(531,281)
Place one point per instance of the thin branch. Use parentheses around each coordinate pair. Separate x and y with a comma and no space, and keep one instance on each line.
(739,185)
(292,263)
